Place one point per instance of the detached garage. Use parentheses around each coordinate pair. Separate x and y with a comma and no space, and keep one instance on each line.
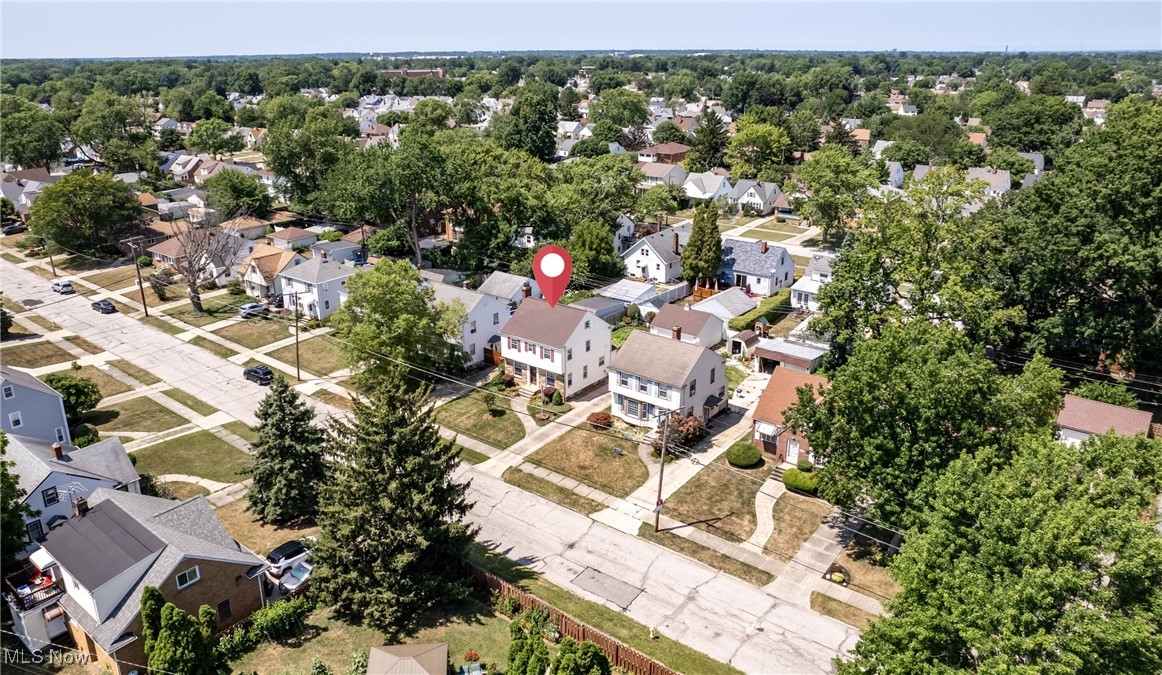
(797,356)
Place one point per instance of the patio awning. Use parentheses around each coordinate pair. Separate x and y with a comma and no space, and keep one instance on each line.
(766,429)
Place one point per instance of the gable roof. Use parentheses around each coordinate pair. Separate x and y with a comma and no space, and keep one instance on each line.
(690,320)
(657,169)
(658,358)
(765,191)
(747,257)
(780,393)
(662,244)
(668,148)
(1095,417)
(318,270)
(413,659)
(536,321)
(34,461)
(188,529)
(732,301)
(291,233)
(707,182)
(448,294)
(101,544)
(23,379)
(269,260)
(503,285)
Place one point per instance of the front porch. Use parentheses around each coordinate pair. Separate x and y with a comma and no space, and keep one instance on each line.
(531,378)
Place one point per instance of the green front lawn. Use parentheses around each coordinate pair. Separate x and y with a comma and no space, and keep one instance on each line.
(188,400)
(44,323)
(734,376)
(255,535)
(199,454)
(182,490)
(551,411)
(34,355)
(720,500)
(242,430)
(331,398)
(470,416)
(214,309)
(796,519)
(317,355)
(591,458)
(469,455)
(140,374)
(706,555)
(82,343)
(848,614)
(137,414)
(109,385)
(769,235)
(117,278)
(212,347)
(255,333)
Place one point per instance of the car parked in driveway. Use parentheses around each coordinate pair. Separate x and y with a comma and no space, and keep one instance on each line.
(286,556)
(63,287)
(252,309)
(296,576)
(14,229)
(259,374)
(104,307)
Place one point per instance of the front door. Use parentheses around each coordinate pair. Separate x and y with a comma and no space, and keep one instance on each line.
(532,375)
(792,451)
(740,280)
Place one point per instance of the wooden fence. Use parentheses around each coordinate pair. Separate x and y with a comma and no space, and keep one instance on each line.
(619,655)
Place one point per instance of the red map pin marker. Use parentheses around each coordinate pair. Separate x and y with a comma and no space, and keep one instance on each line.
(552,268)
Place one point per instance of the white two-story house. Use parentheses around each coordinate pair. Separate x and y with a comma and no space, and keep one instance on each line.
(53,474)
(651,374)
(755,266)
(486,316)
(315,285)
(657,257)
(805,291)
(31,407)
(706,186)
(261,269)
(561,347)
(755,197)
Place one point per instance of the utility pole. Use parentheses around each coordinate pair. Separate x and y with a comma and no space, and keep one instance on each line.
(662,470)
(298,371)
(133,248)
(48,247)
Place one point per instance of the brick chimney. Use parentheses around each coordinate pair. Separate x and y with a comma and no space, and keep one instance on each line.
(763,246)
(676,332)
(80,506)
(57,451)
(676,251)
(526,291)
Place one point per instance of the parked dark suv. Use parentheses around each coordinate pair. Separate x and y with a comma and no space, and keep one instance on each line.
(259,374)
(286,556)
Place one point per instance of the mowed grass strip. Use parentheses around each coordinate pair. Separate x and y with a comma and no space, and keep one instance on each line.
(199,454)
(212,347)
(720,499)
(331,398)
(162,325)
(592,458)
(469,415)
(109,385)
(318,355)
(116,278)
(255,333)
(190,401)
(137,414)
(848,614)
(242,430)
(136,372)
(796,519)
(551,491)
(82,343)
(707,556)
(34,355)
(214,309)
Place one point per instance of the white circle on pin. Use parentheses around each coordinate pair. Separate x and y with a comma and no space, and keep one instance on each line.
(552,265)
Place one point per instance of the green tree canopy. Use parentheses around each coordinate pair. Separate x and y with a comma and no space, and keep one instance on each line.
(1114,394)
(304,157)
(591,249)
(214,136)
(758,151)
(658,202)
(668,132)
(79,394)
(622,107)
(910,402)
(531,125)
(85,211)
(708,147)
(1008,159)
(1039,564)
(232,193)
(1047,124)
(907,152)
(288,470)
(32,137)
(391,512)
(837,186)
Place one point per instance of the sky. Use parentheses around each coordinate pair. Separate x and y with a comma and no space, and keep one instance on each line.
(51,29)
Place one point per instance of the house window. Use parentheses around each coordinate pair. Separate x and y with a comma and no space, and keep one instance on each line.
(601,361)
(632,407)
(693,386)
(14,420)
(721,392)
(9,392)
(514,344)
(643,385)
(569,380)
(495,318)
(472,350)
(518,369)
(35,531)
(188,578)
(586,326)
(60,434)
(569,354)
(663,392)
(530,347)
(587,345)
(224,610)
(471,326)
(550,380)
(711,376)
(50,496)
(326,304)
(585,373)
(623,380)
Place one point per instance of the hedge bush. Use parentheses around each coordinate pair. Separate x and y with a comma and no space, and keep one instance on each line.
(774,308)
(743,455)
(145,261)
(805,466)
(798,480)
(600,420)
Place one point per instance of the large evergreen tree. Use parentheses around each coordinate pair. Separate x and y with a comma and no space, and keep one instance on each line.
(1040,565)
(708,148)
(180,646)
(13,511)
(288,468)
(703,253)
(392,538)
(151,603)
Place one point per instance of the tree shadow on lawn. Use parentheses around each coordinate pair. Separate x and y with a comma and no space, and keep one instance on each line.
(101,416)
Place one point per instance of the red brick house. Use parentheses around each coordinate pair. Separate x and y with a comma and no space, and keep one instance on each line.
(771,434)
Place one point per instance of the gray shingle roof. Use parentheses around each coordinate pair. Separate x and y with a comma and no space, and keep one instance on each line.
(34,461)
(734,301)
(188,529)
(317,271)
(690,320)
(447,293)
(663,243)
(23,379)
(536,321)
(503,285)
(766,191)
(658,358)
(746,257)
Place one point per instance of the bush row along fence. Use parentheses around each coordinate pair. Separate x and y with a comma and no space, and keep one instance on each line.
(619,655)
